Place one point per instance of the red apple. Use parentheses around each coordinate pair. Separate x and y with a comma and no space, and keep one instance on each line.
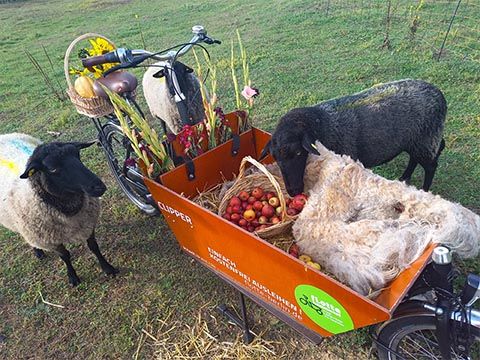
(249,215)
(297,205)
(292,212)
(244,204)
(274,220)
(254,222)
(242,222)
(263,198)
(288,201)
(237,209)
(226,216)
(257,193)
(235,201)
(257,205)
(249,206)
(300,198)
(262,220)
(274,201)
(235,217)
(294,248)
(243,196)
(268,211)
(251,200)
(229,210)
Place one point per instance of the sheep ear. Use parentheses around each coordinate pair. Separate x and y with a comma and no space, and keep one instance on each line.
(83,145)
(266,149)
(31,169)
(309,145)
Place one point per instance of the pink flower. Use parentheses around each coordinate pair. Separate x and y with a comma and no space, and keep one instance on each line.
(249,92)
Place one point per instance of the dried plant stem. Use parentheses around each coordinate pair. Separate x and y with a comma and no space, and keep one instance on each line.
(49,303)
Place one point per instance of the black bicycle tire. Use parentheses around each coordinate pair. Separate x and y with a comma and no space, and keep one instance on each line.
(392,333)
(138,200)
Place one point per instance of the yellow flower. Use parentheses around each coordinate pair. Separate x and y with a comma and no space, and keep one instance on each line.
(99,47)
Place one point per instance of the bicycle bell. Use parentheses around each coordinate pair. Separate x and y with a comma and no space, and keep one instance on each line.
(198,30)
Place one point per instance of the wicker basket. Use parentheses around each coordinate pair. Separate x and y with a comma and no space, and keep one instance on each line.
(91,107)
(267,182)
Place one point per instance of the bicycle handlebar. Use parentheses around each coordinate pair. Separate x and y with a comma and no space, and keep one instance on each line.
(130,58)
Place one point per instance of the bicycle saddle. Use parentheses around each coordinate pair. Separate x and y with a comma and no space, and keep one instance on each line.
(120,82)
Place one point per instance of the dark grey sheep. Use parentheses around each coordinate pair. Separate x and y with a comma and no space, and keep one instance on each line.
(372,126)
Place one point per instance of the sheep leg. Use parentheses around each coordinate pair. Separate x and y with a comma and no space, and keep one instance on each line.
(407,174)
(73,279)
(93,246)
(39,253)
(430,169)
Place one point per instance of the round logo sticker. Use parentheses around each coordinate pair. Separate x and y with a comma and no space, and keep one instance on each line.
(323,309)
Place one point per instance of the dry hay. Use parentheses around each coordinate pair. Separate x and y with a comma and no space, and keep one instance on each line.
(175,340)
(211,337)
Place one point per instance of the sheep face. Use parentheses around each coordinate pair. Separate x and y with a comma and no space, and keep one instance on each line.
(291,152)
(59,170)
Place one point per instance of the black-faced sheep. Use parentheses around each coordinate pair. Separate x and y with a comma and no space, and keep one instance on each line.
(365,229)
(161,100)
(372,126)
(49,197)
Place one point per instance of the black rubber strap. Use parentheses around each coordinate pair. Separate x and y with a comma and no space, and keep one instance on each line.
(190,167)
(235,144)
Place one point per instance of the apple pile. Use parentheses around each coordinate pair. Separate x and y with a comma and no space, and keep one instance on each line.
(295,252)
(259,210)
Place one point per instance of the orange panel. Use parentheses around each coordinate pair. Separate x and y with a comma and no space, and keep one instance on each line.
(305,295)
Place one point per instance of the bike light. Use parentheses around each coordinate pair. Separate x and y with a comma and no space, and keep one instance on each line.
(441,255)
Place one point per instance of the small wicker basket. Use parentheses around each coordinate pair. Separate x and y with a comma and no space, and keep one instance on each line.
(92,107)
(267,182)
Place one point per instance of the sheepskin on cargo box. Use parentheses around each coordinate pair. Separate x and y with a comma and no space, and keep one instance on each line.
(365,229)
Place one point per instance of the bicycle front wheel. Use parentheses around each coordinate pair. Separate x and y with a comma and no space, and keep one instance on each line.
(413,337)
(116,146)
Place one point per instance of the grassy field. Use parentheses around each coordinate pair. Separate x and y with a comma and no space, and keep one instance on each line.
(162,303)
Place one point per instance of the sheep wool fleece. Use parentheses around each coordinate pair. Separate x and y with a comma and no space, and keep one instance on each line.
(365,229)
(24,212)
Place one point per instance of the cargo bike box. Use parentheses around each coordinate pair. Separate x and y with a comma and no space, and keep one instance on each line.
(306,299)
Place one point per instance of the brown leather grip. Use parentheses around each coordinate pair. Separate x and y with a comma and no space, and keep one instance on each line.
(94,60)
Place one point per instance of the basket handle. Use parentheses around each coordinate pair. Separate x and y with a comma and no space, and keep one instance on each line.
(263,169)
(70,48)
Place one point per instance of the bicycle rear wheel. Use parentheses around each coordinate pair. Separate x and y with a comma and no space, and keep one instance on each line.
(128,177)
(413,337)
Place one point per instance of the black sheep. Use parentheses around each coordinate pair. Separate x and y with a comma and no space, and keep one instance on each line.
(372,126)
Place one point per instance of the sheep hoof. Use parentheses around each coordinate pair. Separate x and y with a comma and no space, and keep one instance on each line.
(74,280)
(110,271)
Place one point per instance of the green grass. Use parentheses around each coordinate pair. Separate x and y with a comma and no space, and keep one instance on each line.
(299,56)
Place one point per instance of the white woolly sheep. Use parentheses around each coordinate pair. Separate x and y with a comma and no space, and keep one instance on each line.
(49,197)
(365,229)
(160,99)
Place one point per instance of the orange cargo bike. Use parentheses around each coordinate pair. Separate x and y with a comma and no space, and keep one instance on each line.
(309,301)
(419,315)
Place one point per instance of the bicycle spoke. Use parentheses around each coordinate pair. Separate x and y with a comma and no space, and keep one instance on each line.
(412,342)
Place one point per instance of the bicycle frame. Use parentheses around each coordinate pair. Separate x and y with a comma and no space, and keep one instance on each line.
(447,310)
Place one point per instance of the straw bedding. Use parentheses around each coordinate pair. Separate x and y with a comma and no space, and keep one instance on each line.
(365,229)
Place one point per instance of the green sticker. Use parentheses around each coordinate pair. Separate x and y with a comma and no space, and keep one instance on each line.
(323,309)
